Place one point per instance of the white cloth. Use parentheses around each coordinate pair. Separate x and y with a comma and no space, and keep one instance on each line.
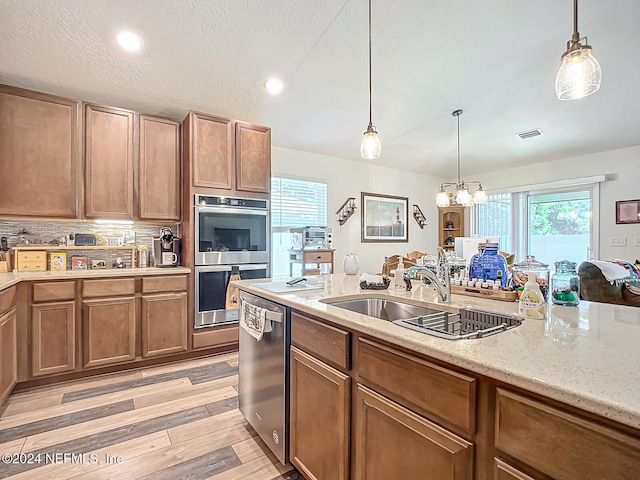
(253,320)
(366,277)
(611,271)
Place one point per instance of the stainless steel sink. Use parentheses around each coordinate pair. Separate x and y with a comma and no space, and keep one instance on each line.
(384,309)
(468,323)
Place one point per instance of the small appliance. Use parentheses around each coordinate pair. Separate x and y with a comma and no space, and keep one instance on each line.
(166,249)
(85,240)
(309,238)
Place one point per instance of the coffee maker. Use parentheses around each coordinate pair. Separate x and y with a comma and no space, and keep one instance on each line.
(166,249)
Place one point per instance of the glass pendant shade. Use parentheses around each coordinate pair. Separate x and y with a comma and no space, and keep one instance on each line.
(480,196)
(463,197)
(579,75)
(442,199)
(370,148)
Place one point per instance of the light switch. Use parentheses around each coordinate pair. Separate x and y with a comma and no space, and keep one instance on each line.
(636,242)
(617,241)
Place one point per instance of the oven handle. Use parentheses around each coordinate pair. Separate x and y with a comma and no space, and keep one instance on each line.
(227,268)
(242,211)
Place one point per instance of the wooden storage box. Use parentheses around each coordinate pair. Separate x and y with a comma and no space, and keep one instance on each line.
(33,261)
(5,265)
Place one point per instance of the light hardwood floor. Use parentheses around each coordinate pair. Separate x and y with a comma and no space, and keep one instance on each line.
(170,422)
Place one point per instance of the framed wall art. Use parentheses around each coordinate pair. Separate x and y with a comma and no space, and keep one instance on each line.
(384,218)
(628,211)
(58,261)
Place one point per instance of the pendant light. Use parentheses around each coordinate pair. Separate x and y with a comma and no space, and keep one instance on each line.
(580,74)
(370,148)
(463,195)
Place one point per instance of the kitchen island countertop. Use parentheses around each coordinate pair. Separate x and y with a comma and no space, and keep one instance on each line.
(586,356)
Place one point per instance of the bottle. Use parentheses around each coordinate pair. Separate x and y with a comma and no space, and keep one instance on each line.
(532,303)
(399,276)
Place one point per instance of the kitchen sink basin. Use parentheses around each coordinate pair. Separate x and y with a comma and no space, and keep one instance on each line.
(384,309)
(467,323)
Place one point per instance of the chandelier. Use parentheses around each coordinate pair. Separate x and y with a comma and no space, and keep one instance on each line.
(463,195)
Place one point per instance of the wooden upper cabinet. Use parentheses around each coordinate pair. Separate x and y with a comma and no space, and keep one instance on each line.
(39,154)
(159,169)
(211,151)
(253,158)
(109,162)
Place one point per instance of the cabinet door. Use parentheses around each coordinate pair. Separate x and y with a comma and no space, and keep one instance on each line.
(8,354)
(159,169)
(504,471)
(253,158)
(109,331)
(53,327)
(393,442)
(211,151)
(320,418)
(109,162)
(164,324)
(40,152)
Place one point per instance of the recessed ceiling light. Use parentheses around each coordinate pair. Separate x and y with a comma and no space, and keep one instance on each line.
(274,86)
(130,41)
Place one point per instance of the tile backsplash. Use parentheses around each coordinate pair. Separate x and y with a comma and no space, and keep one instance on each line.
(41,231)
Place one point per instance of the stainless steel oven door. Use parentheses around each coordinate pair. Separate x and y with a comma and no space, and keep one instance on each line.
(231,236)
(211,292)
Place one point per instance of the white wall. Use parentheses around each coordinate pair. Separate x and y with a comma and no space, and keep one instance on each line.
(348,178)
(622,168)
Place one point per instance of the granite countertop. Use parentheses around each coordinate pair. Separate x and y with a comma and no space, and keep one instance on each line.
(8,279)
(586,356)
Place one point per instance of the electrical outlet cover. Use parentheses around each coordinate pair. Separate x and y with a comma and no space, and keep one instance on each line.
(617,241)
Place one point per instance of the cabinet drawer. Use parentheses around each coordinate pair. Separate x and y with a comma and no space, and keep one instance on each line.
(7,299)
(174,283)
(317,257)
(37,266)
(215,337)
(323,341)
(422,386)
(46,291)
(561,444)
(108,288)
(40,257)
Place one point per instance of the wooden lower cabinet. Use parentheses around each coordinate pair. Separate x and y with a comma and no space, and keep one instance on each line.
(53,338)
(320,418)
(394,443)
(504,471)
(8,353)
(109,331)
(164,324)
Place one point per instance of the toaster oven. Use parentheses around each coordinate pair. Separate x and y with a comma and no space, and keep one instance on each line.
(310,238)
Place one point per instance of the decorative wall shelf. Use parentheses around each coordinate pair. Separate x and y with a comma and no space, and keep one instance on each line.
(346,210)
(419,216)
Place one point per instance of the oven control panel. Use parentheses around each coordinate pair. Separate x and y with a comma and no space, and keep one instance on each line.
(219,201)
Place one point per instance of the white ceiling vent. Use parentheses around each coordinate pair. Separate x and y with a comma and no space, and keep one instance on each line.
(536,132)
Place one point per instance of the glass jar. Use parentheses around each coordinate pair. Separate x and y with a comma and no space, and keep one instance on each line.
(565,284)
(530,264)
(488,264)
(457,265)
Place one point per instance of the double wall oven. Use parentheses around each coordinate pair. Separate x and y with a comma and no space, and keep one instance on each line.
(231,234)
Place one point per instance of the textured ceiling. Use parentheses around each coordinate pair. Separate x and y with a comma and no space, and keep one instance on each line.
(496,59)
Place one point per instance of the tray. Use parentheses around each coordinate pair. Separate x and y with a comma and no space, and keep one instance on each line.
(282,287)
(501,295)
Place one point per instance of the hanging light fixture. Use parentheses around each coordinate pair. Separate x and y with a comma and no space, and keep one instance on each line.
(370,148)
(463,195)
(580,74)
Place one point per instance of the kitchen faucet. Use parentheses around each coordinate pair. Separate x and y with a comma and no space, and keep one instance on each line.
(441,280)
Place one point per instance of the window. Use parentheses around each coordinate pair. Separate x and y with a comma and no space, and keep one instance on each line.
(555,223)
(294,203)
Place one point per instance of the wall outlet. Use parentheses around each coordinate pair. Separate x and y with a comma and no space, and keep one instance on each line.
(617,241)
(636,242)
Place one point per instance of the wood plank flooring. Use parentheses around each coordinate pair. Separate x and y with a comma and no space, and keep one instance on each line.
(169,422)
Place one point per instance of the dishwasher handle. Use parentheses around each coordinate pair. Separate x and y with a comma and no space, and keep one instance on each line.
(274,315)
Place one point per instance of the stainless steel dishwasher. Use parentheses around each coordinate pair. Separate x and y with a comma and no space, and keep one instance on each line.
(263,377)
